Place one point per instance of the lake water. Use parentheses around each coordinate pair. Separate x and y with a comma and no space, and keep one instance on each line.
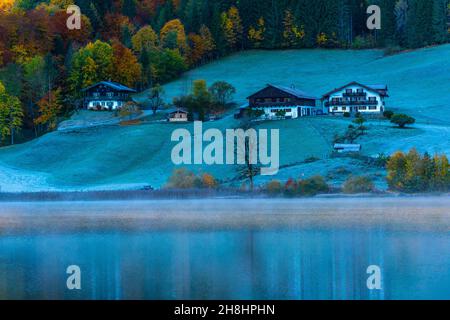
(227,249)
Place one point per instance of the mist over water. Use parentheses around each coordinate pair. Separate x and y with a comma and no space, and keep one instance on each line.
(226,249)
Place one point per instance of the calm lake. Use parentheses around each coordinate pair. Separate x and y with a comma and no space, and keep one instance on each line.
(227,249)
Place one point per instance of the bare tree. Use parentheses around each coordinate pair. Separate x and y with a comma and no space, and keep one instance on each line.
(156,98)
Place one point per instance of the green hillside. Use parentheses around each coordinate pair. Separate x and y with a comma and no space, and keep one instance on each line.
(132,156)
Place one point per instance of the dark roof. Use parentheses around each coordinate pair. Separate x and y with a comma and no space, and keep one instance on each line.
(292,91)
(111,84)
(179,110)
(376,87)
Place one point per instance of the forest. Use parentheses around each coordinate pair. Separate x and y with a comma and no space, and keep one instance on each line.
(141,44)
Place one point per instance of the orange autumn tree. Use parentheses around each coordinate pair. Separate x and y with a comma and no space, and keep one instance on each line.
(197,48)
(125,66)
(6,5)
(50,107)
(208,181)
(114,25)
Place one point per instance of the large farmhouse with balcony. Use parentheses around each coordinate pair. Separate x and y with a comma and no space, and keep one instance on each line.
(284,102)
(355,97)
(106,95)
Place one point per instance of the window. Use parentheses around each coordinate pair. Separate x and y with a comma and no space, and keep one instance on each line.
(362,108)
(372,99)
(359,90)
(335,108)
(110,94)
(96,94)
(348,90)
(372,107)
(288,110)
(344,108)
(274,99)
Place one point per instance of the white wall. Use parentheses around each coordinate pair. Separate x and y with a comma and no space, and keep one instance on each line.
(295,112)
(104,104)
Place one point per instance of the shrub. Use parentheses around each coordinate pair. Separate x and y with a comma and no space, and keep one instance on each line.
(402,120)
(290,187)
(183,179)
(363,42)
(313,186)
(358,185)
(388,114)
(347,114)
(390,50)
(311,159)
(208,181)
(273,187)
(129,110)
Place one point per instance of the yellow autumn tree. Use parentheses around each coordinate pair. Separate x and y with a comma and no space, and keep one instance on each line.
(173,30)
(145,38)
(232,27)
(322,39)
(256,34)
(89,72)
(207,39)
(11,114)
(396,168)
(292,33)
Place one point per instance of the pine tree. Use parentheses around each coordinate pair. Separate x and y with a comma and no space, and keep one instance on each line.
(386,35)
(401,13)
(439,21)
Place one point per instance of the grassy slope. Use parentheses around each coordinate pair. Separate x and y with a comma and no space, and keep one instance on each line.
(114,157)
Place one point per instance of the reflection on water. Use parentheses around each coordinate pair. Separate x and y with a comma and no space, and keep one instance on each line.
(302,262)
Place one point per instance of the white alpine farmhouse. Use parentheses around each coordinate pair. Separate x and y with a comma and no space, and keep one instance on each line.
(356,97)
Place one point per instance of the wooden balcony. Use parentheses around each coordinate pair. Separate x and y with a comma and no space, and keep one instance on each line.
(354,94)
(352,103)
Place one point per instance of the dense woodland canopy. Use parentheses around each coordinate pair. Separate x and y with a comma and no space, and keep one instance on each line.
(44,65)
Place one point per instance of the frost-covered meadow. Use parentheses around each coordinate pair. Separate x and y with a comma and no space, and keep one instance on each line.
(115,157)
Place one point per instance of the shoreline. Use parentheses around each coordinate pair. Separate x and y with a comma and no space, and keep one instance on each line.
(191,194)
